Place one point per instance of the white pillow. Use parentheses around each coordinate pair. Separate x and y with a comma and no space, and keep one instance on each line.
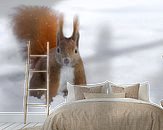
(71,92)
(143,90)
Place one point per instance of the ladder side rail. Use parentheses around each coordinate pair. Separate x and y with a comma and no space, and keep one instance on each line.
(47,101)
(27,84)
(25,90)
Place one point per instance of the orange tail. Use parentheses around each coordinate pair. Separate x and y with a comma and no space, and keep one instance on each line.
(37,24)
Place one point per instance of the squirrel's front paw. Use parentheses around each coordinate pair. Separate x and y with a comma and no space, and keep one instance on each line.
(37,94)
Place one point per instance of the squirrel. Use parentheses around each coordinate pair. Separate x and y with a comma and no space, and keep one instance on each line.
(40,25)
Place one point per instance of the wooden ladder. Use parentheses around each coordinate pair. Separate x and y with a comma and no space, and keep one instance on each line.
(27,79)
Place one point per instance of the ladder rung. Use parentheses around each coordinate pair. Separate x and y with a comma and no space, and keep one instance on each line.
(36,105)
(38,89)
(38,55)
(43,71)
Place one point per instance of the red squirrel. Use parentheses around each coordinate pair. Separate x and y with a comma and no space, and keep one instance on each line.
(41,25)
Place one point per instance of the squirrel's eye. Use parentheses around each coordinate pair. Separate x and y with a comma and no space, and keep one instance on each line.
(76,51)
(58,50)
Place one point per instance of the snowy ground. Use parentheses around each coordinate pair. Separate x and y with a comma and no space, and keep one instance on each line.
(121,41)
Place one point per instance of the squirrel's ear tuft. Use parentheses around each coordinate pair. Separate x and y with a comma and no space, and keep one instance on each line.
(60,29)
(75,34)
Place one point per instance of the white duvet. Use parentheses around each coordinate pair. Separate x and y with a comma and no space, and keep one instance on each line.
(106,114)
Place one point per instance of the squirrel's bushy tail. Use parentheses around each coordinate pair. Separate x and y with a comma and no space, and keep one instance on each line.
(37,24)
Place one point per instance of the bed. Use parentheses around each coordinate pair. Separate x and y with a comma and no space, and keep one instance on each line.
(106,114)
(93,108)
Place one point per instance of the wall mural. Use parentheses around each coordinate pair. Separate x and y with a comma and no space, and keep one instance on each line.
(119,41)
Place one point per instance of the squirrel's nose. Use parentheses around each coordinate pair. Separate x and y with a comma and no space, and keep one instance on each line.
(66,61)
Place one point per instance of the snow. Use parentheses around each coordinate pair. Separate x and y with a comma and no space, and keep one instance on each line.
(120,41)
